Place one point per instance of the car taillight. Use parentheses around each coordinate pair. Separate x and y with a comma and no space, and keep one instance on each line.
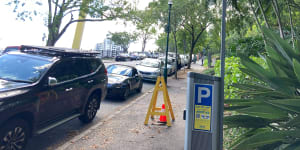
(105,71)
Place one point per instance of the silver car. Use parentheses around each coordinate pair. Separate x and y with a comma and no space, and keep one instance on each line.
(171,64)
(150,68)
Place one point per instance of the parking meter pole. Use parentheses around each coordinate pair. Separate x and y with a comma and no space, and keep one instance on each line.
(223,36)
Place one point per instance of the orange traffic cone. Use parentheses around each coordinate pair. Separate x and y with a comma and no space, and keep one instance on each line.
(163,118)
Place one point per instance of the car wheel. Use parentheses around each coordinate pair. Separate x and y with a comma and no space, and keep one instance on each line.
(91,109)
(139,90)
(126,93)
(14,135)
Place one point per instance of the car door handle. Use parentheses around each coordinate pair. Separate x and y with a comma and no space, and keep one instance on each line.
(90,81)
(69,89)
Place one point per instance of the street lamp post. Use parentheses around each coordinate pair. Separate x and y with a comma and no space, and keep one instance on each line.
(168,32)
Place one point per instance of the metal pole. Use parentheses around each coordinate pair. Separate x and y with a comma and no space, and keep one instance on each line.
(176,69)
(184,48)
(80,27)
(168,32)
(223,36)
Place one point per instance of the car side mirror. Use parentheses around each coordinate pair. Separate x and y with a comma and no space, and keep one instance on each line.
(52,81)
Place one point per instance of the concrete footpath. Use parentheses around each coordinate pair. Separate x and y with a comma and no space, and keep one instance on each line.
(125,129)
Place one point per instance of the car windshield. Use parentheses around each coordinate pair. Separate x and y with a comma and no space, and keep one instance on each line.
(21,68)
(170,61)
(119,70)
(148,63)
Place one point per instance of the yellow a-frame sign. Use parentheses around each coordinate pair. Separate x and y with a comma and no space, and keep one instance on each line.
(160,86)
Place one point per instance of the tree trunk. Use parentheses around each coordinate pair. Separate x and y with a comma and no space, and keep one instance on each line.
(208,58)
(191,52)
(125,50)
(277,13)
(51,38)
(292,24)
(257,21)
(263,13)
(176,58)
(144,44)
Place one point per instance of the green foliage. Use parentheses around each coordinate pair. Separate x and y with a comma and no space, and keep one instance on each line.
(145,23)
(188,23)
(209,71)
(161,42)
(61,13)
(123,38)
(269,109)
(234,75)
(205,62)
(249,46)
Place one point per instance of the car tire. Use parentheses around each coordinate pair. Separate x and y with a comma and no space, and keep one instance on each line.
(14,134)
(126,93)
(91,109)
(139,89)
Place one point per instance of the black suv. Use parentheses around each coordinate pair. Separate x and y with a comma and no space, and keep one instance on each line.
(43,87)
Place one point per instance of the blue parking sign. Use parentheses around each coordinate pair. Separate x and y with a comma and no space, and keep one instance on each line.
(203,107)
(203,94)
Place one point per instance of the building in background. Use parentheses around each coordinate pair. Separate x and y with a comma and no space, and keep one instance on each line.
(108,48)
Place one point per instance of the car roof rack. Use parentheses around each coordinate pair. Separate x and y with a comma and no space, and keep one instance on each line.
(57,51)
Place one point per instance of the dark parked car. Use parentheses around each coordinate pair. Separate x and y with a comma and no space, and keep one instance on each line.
(123,57)
(44,87)
(123,80)
(135,57)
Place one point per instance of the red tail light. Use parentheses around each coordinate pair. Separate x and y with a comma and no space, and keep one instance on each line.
(105,71)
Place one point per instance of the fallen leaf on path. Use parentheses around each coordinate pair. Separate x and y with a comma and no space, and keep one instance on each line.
(95,146)
(134,131)
(85,138)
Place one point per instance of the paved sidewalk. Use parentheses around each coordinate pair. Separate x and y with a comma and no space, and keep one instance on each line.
(125,130)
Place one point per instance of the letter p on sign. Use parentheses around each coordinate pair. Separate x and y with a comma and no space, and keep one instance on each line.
(203,94)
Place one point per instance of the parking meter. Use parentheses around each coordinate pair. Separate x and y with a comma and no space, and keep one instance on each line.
(202,115)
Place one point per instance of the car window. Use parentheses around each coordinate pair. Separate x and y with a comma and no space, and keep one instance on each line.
(81,67)
(149,63)
(62,71)
(93,64)
(22,68)
(120,70)
(70,69)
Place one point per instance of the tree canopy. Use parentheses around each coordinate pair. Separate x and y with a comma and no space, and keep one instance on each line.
(123,39)
(62,13)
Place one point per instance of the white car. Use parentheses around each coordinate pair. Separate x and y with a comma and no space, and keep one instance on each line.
(184,60)
(150,68)
(171,64)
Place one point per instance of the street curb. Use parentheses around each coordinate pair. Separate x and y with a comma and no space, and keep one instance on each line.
(83,134)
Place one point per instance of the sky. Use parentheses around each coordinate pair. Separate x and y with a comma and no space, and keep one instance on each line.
(15,32)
